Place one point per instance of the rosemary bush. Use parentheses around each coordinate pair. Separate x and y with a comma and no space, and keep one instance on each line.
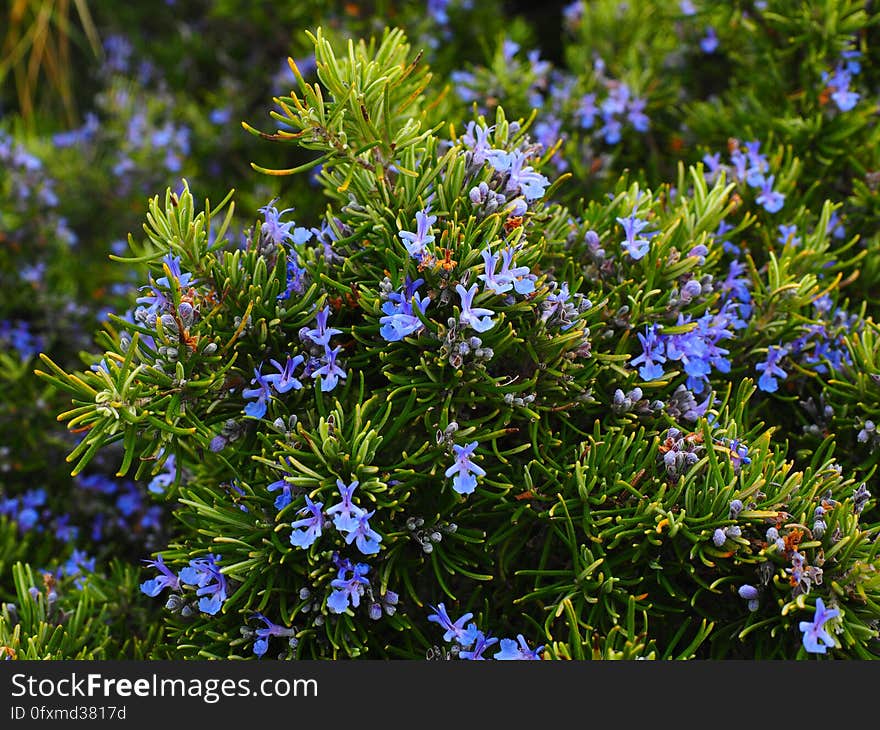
(500,383)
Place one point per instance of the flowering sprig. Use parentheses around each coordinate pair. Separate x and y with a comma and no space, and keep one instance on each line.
(470,642)
(464,471)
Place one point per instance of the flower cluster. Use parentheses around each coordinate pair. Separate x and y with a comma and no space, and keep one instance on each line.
(470,642)
(749,166)
(348,518)
(399,308)
(203,575)
(837,83)
(697,350)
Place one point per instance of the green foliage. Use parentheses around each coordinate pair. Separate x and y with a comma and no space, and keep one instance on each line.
(581,534)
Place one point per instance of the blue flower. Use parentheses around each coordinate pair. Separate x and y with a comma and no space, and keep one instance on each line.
(365,537)
(465,471)
(652,354)
(587,111)
(611,129)
(171,265)
(838,84)
(711,168)
(330,371)
(770,369)
(454,630)
(76,567)
(816,638)
(480,643)
(204,574)
(709,42)
(321,334)
(279,232)
(524,179)
(769,198)
(285,497)
(476,138)
(262,393)
(788,235)
(510,650)
(400,319)
(519,276)
(166,579)
(345,514)
(479,318)
(507,278)
(415,242)
(308,529)
(261,645)
(348,590)
(632,227)
(636,116)
(284,380)
(295,277)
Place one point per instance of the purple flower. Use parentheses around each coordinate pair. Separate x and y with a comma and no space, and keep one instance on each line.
(330,371)
(587,111)
(415,242)
(295,277)
(481,642)
(709,42)
(400,319)
(365,537)
(279,232)
(522,279)
(476,138)
(632,227)
(769,198)
(261,645)
(758,164)
(493,283)
(838,84)
(284,380)
(165,579)
(307,529)
(205,575)
(524,179)
(636,116)
(285,498)
(816,638)
(348,590)
(712,167)
(739,455)
(770,369)
(465,471)
(321,334)
(454,630)
(788,235)
(652,354)
(507,278)
(262,393)
(511,651)
(345,513)
(479,318)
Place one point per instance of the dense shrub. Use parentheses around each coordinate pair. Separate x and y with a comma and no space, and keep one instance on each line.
(571,359)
